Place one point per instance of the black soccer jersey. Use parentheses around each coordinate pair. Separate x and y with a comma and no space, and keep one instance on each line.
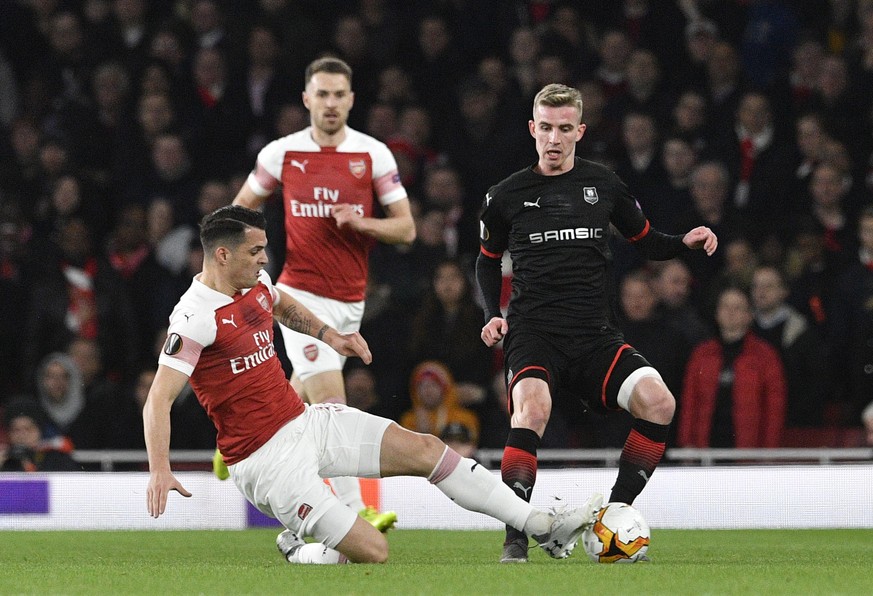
(557,231)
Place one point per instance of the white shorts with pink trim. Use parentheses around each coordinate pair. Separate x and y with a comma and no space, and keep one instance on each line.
(284,477)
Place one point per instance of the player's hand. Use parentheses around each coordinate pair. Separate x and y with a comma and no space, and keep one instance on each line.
(345,215)
(160,485)
(494,331)
(701,237)
(348,344)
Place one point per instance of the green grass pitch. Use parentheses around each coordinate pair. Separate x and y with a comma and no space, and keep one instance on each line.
(433,562)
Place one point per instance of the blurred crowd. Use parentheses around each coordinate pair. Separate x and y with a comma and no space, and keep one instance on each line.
(122,122)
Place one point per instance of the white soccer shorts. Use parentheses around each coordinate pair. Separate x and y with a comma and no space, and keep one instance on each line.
(308,355)
(284,477)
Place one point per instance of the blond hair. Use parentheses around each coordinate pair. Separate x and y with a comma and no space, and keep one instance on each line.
(556,95)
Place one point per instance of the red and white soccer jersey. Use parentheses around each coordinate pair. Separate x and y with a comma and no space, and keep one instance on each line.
(320,257)
(225,345)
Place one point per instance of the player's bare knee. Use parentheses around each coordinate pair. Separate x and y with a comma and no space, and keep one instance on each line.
(664,409)
(424,452)
(431,449)
(532,413)
(364,544)
(409,453)
(652,401)
(376,551)
(660,407)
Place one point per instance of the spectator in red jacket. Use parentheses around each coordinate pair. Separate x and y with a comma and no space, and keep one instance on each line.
(734,394)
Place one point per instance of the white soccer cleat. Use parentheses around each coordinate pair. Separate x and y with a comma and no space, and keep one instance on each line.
(288,542)
(568,526)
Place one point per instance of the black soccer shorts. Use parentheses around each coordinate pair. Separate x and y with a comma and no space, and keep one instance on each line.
(590,369)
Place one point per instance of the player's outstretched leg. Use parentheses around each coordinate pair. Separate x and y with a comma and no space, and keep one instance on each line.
(568,526)
(473,487)
(297,550)
(470,485)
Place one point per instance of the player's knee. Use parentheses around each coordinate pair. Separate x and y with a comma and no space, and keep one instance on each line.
(666,407)
(376,551)
(660,405)
(431,448)
(363,544)
(534,413)
(424,452)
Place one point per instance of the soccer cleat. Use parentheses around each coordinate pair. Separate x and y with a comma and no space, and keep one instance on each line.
(219,468)
(515,551)
(288,542)
(568,526)
(381,521)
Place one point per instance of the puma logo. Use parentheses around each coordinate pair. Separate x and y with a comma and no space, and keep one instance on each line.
(644,475)
(522,488)
(187,316)
(473,467)
(534,204)
(229,321)
(300,165)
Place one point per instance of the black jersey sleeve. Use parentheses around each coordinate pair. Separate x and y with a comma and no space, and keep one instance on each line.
(490,279)
(493,227)
(630,220)
(494,237)
(658,246)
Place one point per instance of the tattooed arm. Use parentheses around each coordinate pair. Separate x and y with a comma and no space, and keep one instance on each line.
(296,317)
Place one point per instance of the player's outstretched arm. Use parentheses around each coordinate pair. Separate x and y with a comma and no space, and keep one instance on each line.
(701,237)
(296,317)
(165,388)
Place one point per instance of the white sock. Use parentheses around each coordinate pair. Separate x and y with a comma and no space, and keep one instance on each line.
(316,553)
(348,491)
(473,487)
(538,523)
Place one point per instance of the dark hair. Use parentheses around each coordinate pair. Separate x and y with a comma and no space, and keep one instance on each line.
(328,64)
(228,224)
(23,406)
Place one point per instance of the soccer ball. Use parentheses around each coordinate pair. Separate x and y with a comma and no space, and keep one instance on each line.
(620,534)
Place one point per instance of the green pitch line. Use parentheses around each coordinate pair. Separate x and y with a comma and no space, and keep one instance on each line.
(433,562)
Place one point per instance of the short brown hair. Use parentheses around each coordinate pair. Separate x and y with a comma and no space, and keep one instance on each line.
(328,64)
(556,95)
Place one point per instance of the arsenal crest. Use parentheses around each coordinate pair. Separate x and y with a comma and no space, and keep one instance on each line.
(304,510)
(311,352)
(358,167)
(590,194)
(262,300)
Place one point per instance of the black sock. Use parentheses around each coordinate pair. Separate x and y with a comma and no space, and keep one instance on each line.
(519,468)
(642,453)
